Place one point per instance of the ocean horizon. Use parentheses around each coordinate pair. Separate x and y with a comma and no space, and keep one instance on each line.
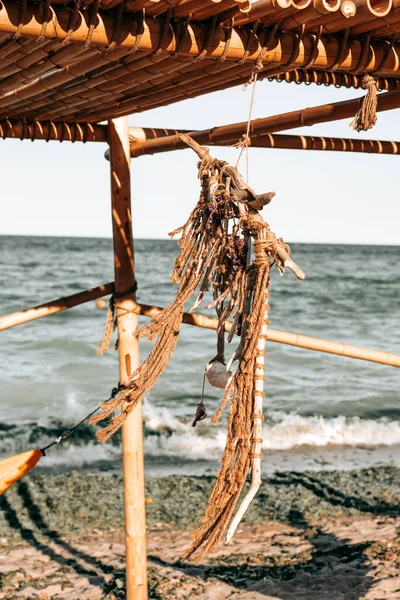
(321,411)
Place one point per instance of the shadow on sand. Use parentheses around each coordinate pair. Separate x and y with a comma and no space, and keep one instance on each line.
(333,568)
(40,536)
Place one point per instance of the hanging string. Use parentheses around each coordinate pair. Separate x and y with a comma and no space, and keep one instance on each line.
(21,17)
(72,23)
(243,144)
(65,434)
(92,23)
(46,20)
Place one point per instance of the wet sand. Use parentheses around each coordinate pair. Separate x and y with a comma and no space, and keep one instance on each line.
(314,536)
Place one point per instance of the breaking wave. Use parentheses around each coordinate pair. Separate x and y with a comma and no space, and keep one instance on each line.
(170,436)
(281,432)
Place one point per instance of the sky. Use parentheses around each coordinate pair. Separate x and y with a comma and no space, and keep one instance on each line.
(322,197)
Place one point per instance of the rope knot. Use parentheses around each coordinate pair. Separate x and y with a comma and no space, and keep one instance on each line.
(262,250)
(366,117)
(244,141)
(253,222)
(368,81)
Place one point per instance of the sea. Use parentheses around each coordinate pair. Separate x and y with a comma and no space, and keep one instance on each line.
(322,412)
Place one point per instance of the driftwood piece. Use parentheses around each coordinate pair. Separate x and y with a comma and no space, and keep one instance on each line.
(245,193)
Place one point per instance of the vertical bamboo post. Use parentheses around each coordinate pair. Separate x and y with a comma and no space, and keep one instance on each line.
(128,343)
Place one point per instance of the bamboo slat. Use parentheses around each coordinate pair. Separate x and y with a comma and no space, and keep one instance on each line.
(118,79)
(56,104)
(60,77)
(77,82)
(34,64)
(92,88)
(175,91)
(167,74)
(194,40)
(386,26)
(55,306)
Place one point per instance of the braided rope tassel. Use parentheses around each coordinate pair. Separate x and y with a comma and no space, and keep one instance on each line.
(258,418)
(366,117)
(109,328)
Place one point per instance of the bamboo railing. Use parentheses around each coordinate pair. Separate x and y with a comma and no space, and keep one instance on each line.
(54,306)
(74,132)
(139,136)
(288,142)
(291,339)
(274,335)
(48,130)
(230,134)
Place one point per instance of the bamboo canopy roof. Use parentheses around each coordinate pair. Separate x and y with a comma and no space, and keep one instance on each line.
(91,60)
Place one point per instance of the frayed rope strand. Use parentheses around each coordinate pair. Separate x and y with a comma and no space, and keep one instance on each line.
(109,329)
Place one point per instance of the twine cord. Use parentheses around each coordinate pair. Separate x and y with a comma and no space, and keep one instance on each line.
(65,434)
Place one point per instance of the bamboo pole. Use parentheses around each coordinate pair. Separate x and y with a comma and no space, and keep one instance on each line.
(367,13)
(290,339)
(305,142)
(74,132)
(293,142)
(194,40)
(274,335)
(55,306)
(314,10)
(128,346)
(48,130)
(228,134)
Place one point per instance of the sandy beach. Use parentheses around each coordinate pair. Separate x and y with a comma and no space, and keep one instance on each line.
(314,536)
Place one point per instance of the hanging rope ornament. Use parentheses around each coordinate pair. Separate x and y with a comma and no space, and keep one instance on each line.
(366,117)
(215,257)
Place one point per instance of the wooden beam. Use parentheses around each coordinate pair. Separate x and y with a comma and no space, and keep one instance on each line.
(55,306)
(128,347)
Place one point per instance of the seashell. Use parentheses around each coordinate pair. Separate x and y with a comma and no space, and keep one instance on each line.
(217,374)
